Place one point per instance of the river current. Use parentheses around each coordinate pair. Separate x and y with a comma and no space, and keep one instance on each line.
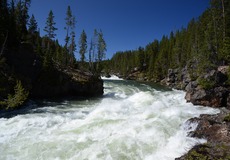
(132,121)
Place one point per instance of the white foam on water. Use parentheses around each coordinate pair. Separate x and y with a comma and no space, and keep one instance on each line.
(128,123)
(113,77)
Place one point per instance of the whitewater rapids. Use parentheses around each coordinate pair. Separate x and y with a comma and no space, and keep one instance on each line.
(132,121)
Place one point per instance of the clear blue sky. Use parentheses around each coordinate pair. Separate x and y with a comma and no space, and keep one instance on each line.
(126,24)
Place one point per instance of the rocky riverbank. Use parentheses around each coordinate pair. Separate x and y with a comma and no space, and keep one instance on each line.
(216,130)
(211,89)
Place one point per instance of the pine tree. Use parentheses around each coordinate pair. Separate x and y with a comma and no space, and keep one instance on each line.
(25,15)
(22,17)
(50,35)
(50,26)
(33,26)
(141,57)
(101,48)
(152,49)
(83,46)
(72,49)
(94,46)
(90,56)
(69,23)
(70,43)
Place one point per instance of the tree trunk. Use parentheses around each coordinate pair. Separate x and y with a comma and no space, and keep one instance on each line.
(223,12)
(4,44)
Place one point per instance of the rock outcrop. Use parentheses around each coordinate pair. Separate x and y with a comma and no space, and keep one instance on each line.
(216,129)
(215,97)
(209,89)
(177,79)
(55,82)
(67,82)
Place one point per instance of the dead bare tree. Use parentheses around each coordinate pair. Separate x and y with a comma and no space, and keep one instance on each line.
(223,12)
(4,44)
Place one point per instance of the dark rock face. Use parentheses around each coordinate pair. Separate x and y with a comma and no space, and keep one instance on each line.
(191,85)
(215,97)
(177,79)
(26,66)
(185,76)
(217,132)
(23,65)
(67,83)
(220,78)
(172,76)
(215,94)
(217,77)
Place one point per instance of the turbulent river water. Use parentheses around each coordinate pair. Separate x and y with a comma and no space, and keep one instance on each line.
(132,121)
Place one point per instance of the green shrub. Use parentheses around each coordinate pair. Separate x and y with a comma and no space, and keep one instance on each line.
(195,155)
(227,118)
(206,83)
(16,100)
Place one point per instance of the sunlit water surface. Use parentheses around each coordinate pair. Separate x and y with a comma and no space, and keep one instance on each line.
(132,121)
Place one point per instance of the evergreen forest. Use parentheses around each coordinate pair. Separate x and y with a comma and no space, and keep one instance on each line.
(201,46)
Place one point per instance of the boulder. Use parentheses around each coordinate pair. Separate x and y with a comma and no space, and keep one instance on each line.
(212,127)
(209,89)
(185,76)
(191,85)
(223,69)
(221,78)
(216,97)
(172,76)
(216,77)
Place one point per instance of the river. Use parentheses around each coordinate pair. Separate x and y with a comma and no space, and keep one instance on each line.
(132,121)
